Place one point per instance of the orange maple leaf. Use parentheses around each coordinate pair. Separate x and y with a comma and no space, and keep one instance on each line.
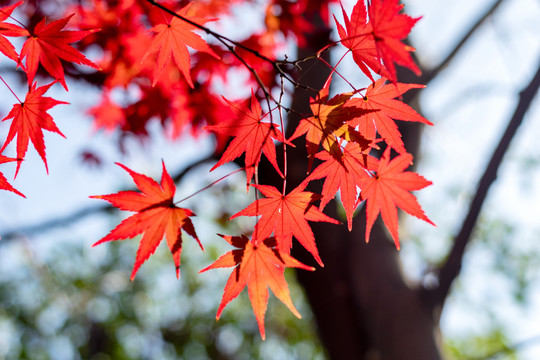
(286,216)
(342,170)
(29,118)
(381,108)
(328,122)
(157,217)
(389,188)
(257,267)
(172,40)
(48,44)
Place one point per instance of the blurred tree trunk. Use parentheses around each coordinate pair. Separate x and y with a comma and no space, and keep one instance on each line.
(363,306)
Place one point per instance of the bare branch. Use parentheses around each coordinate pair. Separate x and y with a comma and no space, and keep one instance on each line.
(78,215)
(452,267)
(429,75)
(228,43)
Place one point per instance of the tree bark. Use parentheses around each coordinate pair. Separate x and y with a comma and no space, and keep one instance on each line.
(362,304)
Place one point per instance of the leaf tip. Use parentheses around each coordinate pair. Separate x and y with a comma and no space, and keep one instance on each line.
(133,273)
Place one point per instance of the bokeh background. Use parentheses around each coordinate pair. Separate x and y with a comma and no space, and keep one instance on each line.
(62,299)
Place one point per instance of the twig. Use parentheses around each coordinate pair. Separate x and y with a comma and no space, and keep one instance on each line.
(227,42)
(429,75)
(78,215)
(452,267)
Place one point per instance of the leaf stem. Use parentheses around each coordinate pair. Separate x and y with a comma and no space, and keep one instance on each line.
(19,100)
(284,143)
(334,70)
(208,186)
(17,21)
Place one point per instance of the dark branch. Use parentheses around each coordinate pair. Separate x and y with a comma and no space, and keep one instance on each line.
(452,267)
(429,75)
(228,43)
(67,220)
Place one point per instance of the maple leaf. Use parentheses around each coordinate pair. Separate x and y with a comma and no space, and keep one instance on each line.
(286,16)
(48,43)
(4,185)
(29,118)
(342,170)
(381,107)
(389,27)
(157,217)
(208,108)
(266,45)
(257,267)
(172,40)
(328,122)
(286,216)
(357,36)
(251,136)
(390,188)
(7,29)
(107,114)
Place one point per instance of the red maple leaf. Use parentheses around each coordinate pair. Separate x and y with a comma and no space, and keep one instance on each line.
(328,122)
(29,118)
(157,217)
(358,38)
(389,188)
(381,107)
(342,170)
(286,16)
(266,45)
(107,114)
(286,216)
(389,28)
(172,40)
(257,267)
(7,29)
(4,185)
(251,136)
(48,44)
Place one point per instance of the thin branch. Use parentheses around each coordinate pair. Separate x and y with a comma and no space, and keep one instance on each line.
(19,100)
(430,74)
(210,32)
(208,186)
(452,267)
(78,215)
(225,41)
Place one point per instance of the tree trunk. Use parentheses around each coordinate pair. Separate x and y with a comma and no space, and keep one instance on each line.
(362,304)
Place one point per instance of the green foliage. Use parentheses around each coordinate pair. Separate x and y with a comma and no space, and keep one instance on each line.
(68,302)
(493,345)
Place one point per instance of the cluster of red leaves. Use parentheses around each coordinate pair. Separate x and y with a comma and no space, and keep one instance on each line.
(168,62)
(144,45)
(375,37)
(46,44)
